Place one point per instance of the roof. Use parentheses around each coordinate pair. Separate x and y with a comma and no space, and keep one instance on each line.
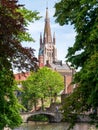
(60,67)
(21,76)
(57,66)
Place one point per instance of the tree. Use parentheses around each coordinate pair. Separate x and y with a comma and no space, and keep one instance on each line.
(13,25)
(41,84)
(13,21)
(9,106)
(83,14)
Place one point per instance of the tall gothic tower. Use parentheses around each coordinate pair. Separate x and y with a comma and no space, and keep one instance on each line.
(47,50)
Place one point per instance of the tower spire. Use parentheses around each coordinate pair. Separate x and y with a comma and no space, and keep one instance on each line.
(54,38)
(47,29)
(40,40)
(47,51)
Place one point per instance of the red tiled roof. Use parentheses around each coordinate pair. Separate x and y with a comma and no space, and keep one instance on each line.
(21,76)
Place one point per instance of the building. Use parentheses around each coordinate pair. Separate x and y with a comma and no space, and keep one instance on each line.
(48,57)
(21,76)
(47,50)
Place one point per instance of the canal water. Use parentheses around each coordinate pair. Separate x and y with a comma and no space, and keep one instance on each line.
(54,126)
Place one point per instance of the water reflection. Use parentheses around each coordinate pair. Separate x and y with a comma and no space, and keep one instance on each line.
(54,126)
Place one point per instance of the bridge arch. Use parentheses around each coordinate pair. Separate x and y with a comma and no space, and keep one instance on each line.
(47,115)
(51,116)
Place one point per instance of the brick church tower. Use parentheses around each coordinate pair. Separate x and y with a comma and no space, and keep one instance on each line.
(48,56)
(47,50)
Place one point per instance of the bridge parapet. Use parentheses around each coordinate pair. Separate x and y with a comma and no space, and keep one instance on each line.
(53,116)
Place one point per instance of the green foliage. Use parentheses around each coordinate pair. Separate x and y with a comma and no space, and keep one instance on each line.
(83,14)
(9,106)
(85,95)
(38,118)
(43,83)
(29,17)
(13,30)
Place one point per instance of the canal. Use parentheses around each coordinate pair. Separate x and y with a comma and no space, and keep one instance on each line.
(54,126)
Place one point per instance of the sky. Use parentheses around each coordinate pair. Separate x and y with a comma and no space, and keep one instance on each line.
(65,35)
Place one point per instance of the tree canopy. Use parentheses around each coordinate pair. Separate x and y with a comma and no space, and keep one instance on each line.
(9,106)
(83,14)
(13,30)
(14,19)
(41,84)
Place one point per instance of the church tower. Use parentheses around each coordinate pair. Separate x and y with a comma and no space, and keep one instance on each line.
(47,50)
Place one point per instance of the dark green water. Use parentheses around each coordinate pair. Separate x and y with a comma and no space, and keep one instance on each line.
(54,126)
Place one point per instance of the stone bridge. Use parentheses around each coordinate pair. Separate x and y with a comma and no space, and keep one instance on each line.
(52,116)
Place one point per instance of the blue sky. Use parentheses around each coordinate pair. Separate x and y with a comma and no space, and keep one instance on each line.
(65,35)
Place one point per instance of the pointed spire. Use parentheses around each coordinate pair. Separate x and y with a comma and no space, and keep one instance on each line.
(47,17)
(40,39)
(54,38)
(47,29)
(40,35)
